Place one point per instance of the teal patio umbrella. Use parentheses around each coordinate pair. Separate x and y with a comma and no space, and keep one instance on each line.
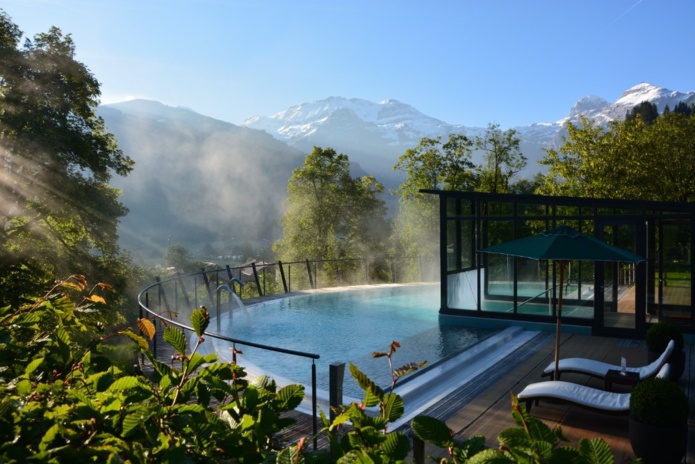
(562,245)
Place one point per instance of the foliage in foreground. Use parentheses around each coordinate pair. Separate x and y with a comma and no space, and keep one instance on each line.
(63,400)
(531,441)
(61,403)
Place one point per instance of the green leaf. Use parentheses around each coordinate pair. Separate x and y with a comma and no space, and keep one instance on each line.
(125,383)
(485,456)
(195,361)
(290,455)
(131,423)
(475,446)
(432,430)
(366,384)
(263,382)
(396,446)
(222,371)
(176,338)
(24,387)
(290,397)
(393,407)
(139,340)
(33,365)
(162,369)
(595,451)
(200,318)
(357,456)
(63,344)
(49,436)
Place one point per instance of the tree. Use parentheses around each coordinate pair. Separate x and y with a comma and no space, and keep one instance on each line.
(330,214)
(646,111)
(684,109)
(432,165)
(628,159)
(502,159)
(179,257)
(58,214)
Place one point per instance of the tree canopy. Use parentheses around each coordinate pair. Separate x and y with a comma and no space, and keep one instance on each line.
(631,159)
(58,214)
(502,160)
(329,213)
(432,165)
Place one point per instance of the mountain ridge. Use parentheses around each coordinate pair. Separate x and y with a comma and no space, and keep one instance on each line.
(389,127)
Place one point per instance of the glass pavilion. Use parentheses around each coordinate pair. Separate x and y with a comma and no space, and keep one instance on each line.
(616,299)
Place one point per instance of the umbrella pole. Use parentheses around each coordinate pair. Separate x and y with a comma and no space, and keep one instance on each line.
(556,375)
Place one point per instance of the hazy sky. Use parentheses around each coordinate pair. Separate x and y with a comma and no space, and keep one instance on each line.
(469,62)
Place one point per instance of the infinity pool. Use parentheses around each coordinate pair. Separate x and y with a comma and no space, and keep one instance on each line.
(347,326)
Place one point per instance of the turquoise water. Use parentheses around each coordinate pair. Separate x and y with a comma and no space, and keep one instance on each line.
(347,326)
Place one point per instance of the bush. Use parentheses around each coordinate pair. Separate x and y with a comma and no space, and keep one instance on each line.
(659,334)
(62,401)
(660,403)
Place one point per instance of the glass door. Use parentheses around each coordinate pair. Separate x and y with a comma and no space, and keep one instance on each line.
(620,294)
(669,297)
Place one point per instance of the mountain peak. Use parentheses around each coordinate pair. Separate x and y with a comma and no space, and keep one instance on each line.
(388,117)
(590,106)
(643,92)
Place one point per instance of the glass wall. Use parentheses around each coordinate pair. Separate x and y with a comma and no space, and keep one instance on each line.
(612,298)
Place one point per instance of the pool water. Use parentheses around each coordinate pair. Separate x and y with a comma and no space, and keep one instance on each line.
(347,326)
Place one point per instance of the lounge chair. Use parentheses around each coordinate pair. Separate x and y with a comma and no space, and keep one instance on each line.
(600,369)
(581,395)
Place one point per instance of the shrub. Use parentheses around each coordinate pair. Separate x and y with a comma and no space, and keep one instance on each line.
(659,334)
(61,401)
(660,403)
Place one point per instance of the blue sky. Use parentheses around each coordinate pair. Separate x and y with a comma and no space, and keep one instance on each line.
(464,62)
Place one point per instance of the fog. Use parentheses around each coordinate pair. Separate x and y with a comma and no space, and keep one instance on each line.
(197,179)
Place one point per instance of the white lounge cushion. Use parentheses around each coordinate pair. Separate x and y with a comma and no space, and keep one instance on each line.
(578,394)
(600,369)
(581,394)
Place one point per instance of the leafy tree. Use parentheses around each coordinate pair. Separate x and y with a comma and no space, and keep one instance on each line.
(433,165)
(502,159)
(330,214)
(628,159)
(58,214)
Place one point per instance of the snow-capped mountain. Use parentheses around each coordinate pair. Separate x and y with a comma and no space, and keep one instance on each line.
(396,122)
(597,108)
(374,135)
